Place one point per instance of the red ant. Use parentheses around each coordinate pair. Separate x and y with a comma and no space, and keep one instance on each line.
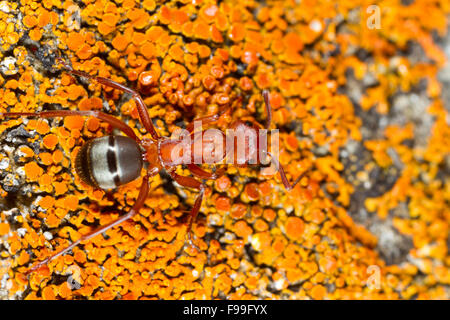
(110,161)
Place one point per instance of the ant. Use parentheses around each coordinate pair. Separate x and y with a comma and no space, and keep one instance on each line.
(111,161)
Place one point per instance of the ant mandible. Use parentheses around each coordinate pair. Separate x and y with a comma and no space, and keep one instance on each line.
(111,161)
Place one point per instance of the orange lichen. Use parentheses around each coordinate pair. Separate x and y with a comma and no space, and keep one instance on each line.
(50,141)
(120,42)
(223,204)
(238,210)
(242,229)
(47,202)
(57,156)
(48,293)
(85,51)
(73,122)
(90,103)
(4,229)
(60,188)
(93,124)
(223,183)
(294,227)
(30,21)
(75,40)
(33,171)
(46,158)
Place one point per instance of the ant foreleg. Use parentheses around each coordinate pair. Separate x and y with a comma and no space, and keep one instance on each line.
(207,119)
(287,185)
(279,167)
(195,184)
(134,210)
(265,94)
(141,107)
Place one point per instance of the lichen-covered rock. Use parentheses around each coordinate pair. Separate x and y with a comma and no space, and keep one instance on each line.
(345,86)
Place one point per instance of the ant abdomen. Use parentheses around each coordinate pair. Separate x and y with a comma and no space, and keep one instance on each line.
(109,162)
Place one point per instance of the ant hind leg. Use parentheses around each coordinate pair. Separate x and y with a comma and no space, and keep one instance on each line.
(134,210)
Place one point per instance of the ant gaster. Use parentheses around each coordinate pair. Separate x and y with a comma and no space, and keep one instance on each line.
(110,161)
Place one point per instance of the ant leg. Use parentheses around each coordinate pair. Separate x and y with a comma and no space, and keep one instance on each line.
(142,108)
(284,179)
(195,184)
(202,174)
(268,108)
(134,210)
(208,119)
(113,121)
(288,186)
